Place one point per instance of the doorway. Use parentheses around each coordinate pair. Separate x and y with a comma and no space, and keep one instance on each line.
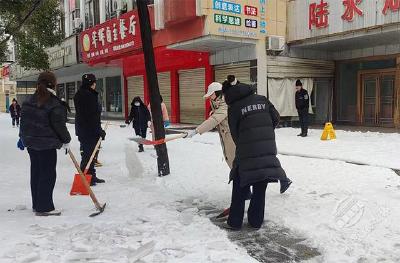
(377,99)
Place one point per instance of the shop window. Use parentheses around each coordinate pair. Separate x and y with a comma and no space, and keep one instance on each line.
(100,90)
(113,94)
(70,94)
(60,91)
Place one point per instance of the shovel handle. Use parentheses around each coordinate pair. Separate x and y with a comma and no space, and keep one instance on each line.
(85,183)
(171,138)
(96,148)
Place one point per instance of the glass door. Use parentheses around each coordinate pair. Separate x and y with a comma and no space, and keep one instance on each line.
(386,103)
(370,88)
(378,96)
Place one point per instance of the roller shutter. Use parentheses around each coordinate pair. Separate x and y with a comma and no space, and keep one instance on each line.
(286,67)
(240,70)
(135,88)
(164,83)
(191,92)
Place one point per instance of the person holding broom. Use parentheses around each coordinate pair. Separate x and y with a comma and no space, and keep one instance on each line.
(87,123)
(43,131)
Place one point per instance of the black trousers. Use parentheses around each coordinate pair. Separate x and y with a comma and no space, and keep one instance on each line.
(303,117)
(142,133)
(43,179)
(15,120)
(255,213)
(87,147)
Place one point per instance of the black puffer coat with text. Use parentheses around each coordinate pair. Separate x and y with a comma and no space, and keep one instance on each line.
(252,120)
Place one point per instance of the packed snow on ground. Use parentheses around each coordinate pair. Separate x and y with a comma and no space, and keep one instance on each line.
(349,212)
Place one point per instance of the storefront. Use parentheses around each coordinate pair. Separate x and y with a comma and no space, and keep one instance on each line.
(362,39)
(182,75)
(65,63)
(7,88)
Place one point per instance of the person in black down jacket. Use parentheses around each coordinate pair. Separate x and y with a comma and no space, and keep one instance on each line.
(88,123)
(252,120)
(15,111)
(140,116)
(302,105)
(43,130)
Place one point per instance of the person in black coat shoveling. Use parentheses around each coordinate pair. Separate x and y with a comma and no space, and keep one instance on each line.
(252,119)
(140,118)
(87,122)
(15,112)
(43,131)
(302,105)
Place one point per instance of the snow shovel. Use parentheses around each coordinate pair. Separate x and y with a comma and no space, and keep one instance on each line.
(98,206)
(158,142)
(77,186)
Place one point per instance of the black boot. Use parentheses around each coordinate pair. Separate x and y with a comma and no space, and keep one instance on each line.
(285,185)
(141,149)
(97,180)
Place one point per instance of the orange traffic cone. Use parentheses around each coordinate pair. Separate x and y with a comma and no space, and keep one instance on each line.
(77,186)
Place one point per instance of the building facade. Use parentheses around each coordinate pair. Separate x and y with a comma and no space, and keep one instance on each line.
(196,42)
(361,38)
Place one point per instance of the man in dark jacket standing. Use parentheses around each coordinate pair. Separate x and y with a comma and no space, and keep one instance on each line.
(252,121)
(87,122)
(15,111)
(302,105)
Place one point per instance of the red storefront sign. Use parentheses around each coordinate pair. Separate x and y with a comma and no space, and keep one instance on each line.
(6,71)
(393,5)
(250,10)
(351,9)
(318,15)
(112,38)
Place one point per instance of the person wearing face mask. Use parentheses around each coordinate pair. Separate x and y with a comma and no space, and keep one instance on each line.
(218,119)
(140,118)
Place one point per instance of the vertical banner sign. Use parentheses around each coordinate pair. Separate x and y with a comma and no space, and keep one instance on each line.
(112,38)
(238,18)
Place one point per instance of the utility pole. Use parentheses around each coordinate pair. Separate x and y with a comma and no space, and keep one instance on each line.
(154,91)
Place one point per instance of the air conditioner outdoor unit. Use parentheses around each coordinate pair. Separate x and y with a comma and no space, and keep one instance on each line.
(276,43)
(77,23)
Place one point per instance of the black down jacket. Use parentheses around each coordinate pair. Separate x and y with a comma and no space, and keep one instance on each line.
(252,119)
(139,116)
(88,113)
(44,127)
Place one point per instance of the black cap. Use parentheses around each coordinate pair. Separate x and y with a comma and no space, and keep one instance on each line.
(88,79)
(298,83)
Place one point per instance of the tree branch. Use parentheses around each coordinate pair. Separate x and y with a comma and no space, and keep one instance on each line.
(18,28)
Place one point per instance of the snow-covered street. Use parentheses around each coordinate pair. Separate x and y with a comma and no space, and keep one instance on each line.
(336,211)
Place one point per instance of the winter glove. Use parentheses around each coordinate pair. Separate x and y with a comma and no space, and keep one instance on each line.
(166,124)
(65,146)
(20,145)
(103,134)
(191,133)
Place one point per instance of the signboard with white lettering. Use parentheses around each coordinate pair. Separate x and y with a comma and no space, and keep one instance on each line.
(114,37)
(237,18)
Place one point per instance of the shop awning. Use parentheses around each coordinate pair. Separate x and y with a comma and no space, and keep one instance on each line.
(212,43)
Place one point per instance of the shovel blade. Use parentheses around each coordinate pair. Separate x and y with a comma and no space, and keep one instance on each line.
(99,211)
